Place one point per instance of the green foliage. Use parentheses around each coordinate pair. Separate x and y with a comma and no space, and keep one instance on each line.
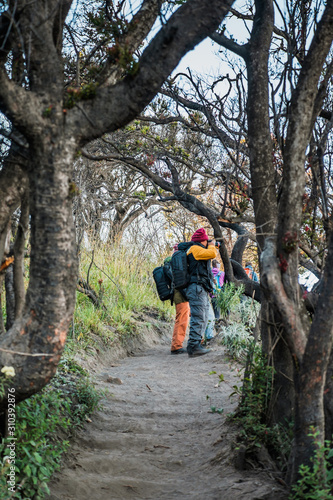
(6,373)
(252,413)
(256,384)
(213,408)
(68,365)
(228,298)
(37,449)
(236,337)
(140,194)
(216,410)
(87,319)
(248,310)
(242,316)
(316,482)
(43,424)
(125,278)
(124,58)
(88,398)
(48,111)
(74,94)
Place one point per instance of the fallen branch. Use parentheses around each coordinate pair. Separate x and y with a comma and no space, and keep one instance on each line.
(34,355)
(83,287)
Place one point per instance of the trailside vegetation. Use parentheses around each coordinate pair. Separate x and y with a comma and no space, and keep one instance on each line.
(120,276)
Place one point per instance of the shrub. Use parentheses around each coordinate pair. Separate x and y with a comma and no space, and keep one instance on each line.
(228,298)
(237,335)
(252,414)
(43,425)
(236,338)
(316,482)
(248,310)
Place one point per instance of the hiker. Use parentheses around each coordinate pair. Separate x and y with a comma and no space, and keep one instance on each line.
(250,272)
(213,308)
(164,280)
(199,255)
(182,320)
(209,332)
(218,284)
(181,323)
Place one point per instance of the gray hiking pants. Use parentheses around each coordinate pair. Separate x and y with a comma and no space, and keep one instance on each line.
(199,305)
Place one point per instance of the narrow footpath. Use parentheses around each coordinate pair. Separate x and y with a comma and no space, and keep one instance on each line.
(156,437)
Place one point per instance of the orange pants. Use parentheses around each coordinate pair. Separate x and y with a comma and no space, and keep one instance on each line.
(179,331)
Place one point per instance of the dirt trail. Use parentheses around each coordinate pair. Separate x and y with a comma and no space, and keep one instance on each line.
(156,439)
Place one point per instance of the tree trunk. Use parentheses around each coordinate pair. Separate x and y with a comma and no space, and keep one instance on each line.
(282,398)
(262,173)
(51,292)
(328,400)
(10,297)
(312,373)
(19,246)
(2,323)
(240,245)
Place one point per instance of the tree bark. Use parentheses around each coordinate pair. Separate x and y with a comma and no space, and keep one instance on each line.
(312,373)
(51,292)
(328,400)
(2,323)
(265,207)
(10,297)
(19,246)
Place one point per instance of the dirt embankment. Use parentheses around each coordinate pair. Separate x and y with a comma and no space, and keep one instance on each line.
(155,437)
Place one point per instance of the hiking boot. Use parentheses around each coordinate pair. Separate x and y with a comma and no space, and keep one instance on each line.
(198,351)
(178,351)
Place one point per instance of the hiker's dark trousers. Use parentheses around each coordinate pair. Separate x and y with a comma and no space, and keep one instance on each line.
(199,306)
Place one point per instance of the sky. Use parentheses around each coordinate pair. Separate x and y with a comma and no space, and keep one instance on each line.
(201,59)
(204,57)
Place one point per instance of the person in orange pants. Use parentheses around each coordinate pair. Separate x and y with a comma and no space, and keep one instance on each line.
(181,323)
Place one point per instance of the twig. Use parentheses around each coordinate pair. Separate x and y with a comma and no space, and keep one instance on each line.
(80,286)
(86,115)
(116,284)
(25,353)
(118,288)
(91,263)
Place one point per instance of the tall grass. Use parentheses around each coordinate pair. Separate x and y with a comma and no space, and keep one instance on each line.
(122,278)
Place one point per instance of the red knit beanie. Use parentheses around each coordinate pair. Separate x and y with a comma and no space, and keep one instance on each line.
(200,235)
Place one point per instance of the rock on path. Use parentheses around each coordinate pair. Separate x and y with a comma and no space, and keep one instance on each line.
(155,437)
